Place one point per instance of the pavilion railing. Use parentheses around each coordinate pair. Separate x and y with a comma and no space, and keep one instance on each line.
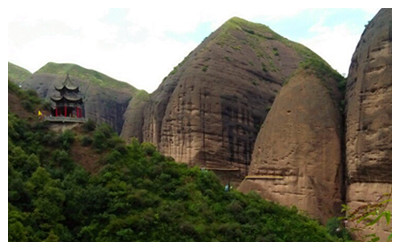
(64,119)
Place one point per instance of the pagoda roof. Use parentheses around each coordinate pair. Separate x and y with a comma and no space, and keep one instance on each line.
(66,98)
(67,84)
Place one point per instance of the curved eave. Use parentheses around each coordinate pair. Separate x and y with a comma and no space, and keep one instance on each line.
(64,98)
(73,88)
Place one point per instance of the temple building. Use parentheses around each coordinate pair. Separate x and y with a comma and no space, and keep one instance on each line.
(67,104)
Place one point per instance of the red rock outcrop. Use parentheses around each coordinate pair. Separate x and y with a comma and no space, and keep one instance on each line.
(297,154)
(208,111)
(369,118)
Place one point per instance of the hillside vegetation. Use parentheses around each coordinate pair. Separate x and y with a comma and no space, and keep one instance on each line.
(17,74)
(88,75)
(137,194)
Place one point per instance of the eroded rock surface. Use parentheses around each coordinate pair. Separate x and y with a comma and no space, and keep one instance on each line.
(369,104)
(210,108)
(369,116)
(297,154)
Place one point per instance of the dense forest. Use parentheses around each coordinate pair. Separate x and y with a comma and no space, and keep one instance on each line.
(135,193)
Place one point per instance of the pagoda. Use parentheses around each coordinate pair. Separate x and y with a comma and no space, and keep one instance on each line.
(67,104)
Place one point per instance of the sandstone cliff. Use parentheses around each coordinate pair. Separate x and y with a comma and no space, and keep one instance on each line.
(297,154)
(369,117)
(106,99)
(209,109)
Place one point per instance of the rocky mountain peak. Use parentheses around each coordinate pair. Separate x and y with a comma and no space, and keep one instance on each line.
(209,109)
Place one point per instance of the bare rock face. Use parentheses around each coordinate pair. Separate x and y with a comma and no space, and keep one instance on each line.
(134,117)
(369,116)
(209,109)
(369,104)
(105,99)
(297,154)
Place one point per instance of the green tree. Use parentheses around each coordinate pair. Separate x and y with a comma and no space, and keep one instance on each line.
(66,139)
(47,199)
(368,215)
(16,228)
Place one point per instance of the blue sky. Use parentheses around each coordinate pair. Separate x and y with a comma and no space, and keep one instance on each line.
(143,43)
(297,27)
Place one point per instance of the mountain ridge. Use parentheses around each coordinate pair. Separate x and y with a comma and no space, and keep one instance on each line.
(78,71)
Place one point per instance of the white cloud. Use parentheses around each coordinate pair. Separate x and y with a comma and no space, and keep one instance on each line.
(335,44)
(139,53)
(136,48)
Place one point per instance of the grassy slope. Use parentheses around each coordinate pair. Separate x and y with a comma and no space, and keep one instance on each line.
(17,74)
(86,75)
(255,32)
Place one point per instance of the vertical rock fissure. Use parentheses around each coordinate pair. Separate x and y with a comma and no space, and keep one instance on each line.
(343,164)
(203,124)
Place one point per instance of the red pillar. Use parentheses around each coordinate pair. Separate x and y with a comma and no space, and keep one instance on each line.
(65,111)
(56,112)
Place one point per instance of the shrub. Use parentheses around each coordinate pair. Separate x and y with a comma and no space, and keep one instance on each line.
(28,106)
(104,137)
(115,141)
(60,158)
(113,157)
(105,129)
(86,141)
(249,31)
(173,71)
(368,215)
(66,139)
(99,141)
(148,148)
(50,138)
(342,85)
(90,125)
(276,53)
(335,227)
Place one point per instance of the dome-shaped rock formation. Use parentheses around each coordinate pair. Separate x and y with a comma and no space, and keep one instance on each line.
(297,154)
(209,109)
